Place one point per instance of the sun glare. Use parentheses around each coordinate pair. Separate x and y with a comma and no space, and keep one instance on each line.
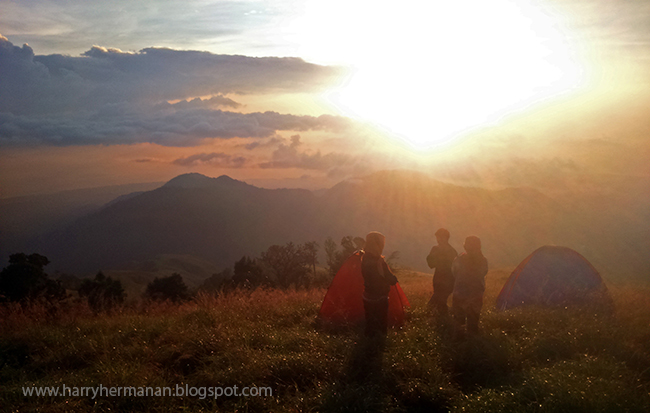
(427,71)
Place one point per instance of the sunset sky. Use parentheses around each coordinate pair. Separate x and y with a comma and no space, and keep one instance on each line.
(307,93)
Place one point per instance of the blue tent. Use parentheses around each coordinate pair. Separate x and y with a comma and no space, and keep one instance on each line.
(552,276)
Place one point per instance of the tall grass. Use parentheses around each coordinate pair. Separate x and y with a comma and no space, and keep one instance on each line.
(529,359)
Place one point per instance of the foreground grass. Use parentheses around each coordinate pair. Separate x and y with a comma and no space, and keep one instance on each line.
(527,360)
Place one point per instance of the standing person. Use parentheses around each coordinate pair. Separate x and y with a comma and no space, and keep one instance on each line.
(377,280)
(440,259)
(469,271)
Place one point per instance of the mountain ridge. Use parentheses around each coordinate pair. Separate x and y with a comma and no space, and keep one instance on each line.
(221,219)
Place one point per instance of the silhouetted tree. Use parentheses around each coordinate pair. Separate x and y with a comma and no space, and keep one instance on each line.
(168,288)
(336,257)
(289,263)
(249,273)
(25,279)
(359,242)
(311,251)
(392,259)
(348,245)
(331,255)
(102,293)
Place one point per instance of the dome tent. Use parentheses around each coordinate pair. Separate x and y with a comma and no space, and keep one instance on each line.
(552,276)
(343,303)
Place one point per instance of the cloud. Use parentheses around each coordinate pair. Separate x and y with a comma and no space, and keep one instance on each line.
(261,144)
(127,124)
(289,156)
(196,103)
(108,96)
(220,159)
(70,26)
(629,28)
(33,84)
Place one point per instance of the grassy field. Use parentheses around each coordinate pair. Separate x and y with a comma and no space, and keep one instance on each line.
(526,360)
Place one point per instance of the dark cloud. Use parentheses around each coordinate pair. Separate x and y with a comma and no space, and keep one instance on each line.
(220,159)
(112,97)
(261,144)
(289,156)
(33,84)
(126,124)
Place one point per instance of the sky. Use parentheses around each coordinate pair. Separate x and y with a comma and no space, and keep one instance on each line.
(550,94)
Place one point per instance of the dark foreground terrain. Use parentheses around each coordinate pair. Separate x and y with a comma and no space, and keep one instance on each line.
(525,360)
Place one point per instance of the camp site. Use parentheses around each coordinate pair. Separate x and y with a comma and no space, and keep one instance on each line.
(325,206)
(541,353)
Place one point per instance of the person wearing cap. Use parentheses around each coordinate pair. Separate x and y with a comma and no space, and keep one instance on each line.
(469,271)
(377,279)
(440,259)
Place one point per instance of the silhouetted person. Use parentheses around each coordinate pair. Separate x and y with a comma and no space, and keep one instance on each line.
(377,280)
(469,271)
(440,259)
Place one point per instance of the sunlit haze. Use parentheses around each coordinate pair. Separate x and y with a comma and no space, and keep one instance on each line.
(306,93)
(429,70)
(193,195)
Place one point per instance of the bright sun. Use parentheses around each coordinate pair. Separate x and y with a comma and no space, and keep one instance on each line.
(428,71)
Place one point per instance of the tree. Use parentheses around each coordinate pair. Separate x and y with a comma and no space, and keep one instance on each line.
(25,279)
(168,288)
(289,263)
(102,293)
(348,245)
(393,258)
(331,255)
(359,242)
(249,273)
(311,251)
(336,257)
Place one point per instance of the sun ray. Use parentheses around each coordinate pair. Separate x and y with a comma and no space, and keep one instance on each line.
(429,71)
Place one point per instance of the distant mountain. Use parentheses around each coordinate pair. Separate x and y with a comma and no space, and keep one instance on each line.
(219,220)
(409,207)
(196,180)
(26,218)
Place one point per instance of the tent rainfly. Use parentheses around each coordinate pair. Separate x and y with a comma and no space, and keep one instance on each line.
(343,303)
(552,276)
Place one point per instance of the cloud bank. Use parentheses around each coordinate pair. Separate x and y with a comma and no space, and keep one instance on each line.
(107,96)
(126,124)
